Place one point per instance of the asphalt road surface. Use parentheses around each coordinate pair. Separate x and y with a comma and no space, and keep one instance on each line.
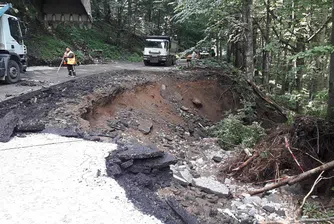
(48,179)
(38,77)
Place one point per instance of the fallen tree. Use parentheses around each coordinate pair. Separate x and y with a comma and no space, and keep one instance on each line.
(295,179)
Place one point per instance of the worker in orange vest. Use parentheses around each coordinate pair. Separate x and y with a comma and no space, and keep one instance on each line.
(70,61)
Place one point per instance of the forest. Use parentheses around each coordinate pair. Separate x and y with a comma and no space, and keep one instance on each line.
(284,46)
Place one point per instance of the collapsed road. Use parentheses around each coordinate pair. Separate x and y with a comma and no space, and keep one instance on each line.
(165,159)
(43,76)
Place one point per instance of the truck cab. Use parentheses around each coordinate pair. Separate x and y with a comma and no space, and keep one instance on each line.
(160,50)
(13,59)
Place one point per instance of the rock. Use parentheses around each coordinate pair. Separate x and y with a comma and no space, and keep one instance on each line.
(269,209)
(114,160)
(154,163)
(252,212)
(210,185)
(139,169)
(213,200)
(114,170)
(213,212)
(273,198)
(144,180)
(195,174)
(217,159)
(7,126)
(281,213)
(145,126)
(186,109)
(182,213)
(65,132)
(127,164)
(140,152)
(245,219)
(236,204)
(227,181)
(92,138)
(296,189)
(168,138)
(31,126)
(252,199)
(197,102)
(182,174)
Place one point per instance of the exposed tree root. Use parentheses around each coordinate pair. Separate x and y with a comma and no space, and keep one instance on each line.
(310,141)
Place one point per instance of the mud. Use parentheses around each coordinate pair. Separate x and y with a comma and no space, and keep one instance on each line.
(112,106)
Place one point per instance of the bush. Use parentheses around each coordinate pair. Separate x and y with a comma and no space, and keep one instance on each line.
(135,58)
(232,132)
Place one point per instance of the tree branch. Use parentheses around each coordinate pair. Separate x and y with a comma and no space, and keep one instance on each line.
(319,30)
(295,179)
(283,41)
(317,220)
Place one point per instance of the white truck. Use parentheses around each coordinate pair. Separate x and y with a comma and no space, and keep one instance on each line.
(13,52)
(160,50)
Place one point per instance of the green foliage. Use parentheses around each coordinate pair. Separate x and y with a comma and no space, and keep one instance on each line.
(135,58)
(314,210)
(315,107)
(288,100)
(318,106)
(233,130)
(49,48)
(314,52)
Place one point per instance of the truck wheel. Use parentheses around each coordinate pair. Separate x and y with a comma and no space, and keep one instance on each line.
(146,63)
(169,62)
(174,61)
(13,72)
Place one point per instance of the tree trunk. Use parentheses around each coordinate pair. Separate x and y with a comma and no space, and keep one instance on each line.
(129,13)
(238,56)
(229,51)
(330,111)
(266,54)
(300,62)
(249,60)
(286,69)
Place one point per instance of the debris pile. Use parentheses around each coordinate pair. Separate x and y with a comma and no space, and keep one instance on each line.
(138,159)
(288,152)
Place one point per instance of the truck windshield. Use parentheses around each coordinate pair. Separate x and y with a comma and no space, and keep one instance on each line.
(157,44)
(15,30)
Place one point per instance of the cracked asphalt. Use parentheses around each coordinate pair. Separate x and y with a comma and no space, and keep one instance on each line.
(42,76)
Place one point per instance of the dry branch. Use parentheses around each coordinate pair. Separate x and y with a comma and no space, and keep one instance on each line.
(313,186)
(317,220)
(269,101)
(295,179)
(244,164)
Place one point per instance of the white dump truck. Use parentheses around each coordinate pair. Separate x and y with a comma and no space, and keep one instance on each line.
(13,52)
(160,50)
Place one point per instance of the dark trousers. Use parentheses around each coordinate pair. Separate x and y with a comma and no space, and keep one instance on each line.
(71,70)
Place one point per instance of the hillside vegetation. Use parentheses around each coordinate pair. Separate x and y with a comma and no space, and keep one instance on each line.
(96,43)
(46,43)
